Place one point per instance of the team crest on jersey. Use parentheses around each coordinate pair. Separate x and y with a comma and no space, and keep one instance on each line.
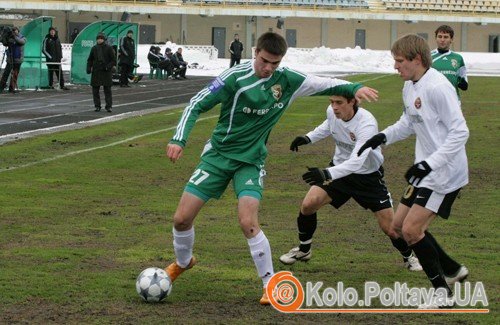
(418,103)
(276,89)
(353,137)
(454,63)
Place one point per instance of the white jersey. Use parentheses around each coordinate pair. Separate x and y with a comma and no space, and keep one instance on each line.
(349,137)
(432,112)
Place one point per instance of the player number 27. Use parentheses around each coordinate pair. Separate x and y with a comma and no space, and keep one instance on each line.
(198,176)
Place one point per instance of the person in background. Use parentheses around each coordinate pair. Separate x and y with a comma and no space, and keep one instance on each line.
(236,49)
(101,63)
(52,49)
(14,41)
(126,58)
(182,64)
(449,63)
(176,66)
(156,58)
(73,35)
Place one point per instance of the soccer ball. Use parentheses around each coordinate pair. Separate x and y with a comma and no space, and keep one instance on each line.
(153,284)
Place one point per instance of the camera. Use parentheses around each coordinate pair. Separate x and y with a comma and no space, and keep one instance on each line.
(6,34)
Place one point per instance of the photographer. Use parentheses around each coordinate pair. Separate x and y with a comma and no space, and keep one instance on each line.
(14,42)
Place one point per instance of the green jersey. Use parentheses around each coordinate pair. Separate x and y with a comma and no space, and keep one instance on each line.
(451,65)
(251,106)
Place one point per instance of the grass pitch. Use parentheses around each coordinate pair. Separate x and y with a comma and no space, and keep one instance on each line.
(83,212)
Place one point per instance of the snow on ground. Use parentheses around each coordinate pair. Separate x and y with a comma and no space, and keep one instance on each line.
(318,60)
(326,61)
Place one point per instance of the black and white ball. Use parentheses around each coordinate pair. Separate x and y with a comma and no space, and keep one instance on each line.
(153,284)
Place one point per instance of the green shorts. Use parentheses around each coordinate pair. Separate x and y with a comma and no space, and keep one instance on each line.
(213,173)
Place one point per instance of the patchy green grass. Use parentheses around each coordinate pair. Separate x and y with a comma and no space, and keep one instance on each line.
(83,212)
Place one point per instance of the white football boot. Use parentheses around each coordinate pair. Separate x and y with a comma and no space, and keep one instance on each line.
(295,255)
(412,263)
(460,276)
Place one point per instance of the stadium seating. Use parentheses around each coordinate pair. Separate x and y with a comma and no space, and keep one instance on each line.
(311,3)
(479,6)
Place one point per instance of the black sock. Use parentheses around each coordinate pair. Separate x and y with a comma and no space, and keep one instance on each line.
(402,247)
(449,265)
(429,259)
(307,227)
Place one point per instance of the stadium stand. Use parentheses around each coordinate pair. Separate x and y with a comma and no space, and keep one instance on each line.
(479,6)
(312,3)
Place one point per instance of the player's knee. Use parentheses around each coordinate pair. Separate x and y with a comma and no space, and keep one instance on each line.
(389,231)
(248,226)
(310,205)
(411,234)
(181,223)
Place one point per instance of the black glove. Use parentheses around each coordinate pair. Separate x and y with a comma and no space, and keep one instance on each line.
(299,141)
(316,176)
(89,71)
(373,142)
(462,83)
(417,172)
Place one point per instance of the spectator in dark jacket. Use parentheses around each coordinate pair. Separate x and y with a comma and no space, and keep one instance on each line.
(183,64)
(101,63)
(178,69)
(74,35)
(52,49)
(14,43)
(155,58)
(127,57)
(236,48)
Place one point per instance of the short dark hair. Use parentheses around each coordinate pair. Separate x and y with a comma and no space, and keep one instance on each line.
(445,29)
(272,43)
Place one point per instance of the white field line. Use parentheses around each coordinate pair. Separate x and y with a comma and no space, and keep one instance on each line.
(100,121)
(77,152)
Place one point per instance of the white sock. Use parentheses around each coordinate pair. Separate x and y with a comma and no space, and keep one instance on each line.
(183,246)
(261,254)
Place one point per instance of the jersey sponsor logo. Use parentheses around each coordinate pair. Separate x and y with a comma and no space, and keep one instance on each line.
(445,59)
(344,145)
(262,111)
(352,136)
(415,118)
(277,91)
(216,85)
(454,63)
(249,182)
(418,103)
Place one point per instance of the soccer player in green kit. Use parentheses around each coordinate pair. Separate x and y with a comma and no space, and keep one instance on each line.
(449,63)
(253,96)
